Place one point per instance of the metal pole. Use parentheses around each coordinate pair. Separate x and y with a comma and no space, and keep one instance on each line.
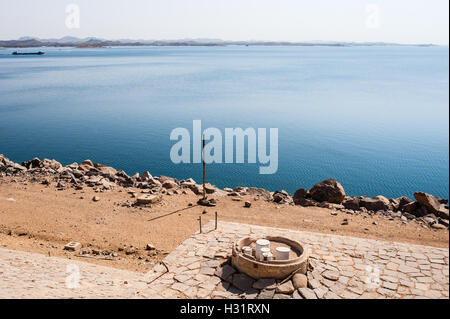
(216,220)
(204,166)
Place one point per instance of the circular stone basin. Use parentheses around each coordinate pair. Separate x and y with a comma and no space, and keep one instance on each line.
(276,269)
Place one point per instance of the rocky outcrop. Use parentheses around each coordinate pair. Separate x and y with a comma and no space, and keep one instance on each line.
(300,196)
(375,203)
(429,210)
(282,197)
(329,191)
(351,203)
(432,204)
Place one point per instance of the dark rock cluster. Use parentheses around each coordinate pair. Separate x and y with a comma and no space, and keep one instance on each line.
(431,210)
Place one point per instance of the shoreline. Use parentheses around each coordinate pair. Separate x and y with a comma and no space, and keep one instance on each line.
(114,216)
(427,203)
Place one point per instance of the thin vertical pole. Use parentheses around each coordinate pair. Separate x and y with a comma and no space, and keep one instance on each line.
(200,222)
(216,220)
(204,166)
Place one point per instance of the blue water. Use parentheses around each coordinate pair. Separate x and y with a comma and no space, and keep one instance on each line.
(374,118)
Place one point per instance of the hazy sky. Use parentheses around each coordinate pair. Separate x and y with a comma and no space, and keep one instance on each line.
(402,21)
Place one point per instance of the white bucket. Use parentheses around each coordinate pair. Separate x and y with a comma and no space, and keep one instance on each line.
(282,253)
(264,252)
(267,256)
(261,243)
(247,250)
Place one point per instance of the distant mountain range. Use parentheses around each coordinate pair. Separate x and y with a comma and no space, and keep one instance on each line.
(27,42)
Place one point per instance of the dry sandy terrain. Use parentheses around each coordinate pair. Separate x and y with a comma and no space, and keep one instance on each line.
(38,218)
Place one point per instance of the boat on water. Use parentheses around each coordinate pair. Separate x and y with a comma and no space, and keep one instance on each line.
(28,53)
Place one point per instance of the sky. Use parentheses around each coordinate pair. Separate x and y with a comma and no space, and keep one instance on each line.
(399,21)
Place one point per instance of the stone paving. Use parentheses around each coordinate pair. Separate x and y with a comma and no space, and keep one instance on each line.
(343,267)
(29,275)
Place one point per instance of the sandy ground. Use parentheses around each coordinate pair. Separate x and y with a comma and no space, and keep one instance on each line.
(39,218)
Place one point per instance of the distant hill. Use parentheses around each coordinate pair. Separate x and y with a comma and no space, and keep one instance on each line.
(27,42)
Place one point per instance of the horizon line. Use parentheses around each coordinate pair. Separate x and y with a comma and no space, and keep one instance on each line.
(217,40)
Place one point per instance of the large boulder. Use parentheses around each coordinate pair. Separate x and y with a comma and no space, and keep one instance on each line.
(351,203)
(260,192)
(432,204)
(328,190)
(415,208)
(300,196)
(403,201)
(107,171)
(375,203)
(282,197)
(34,163)
(169,184)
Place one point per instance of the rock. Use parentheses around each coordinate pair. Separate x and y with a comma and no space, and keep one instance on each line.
(344,221)
(375,203)
(148,199)
(72,246)
(266,294)
(300,281)
(34,163)
(410,207)
(254,191)
(261,284)
(207,202)
(438,226)
(149,247)
(307,202)
(286,288)
(443,212)
(196,189)
(130,251)
(402,201)
(328,190)
(87,163)
(247,204)
(107,171)
(430,219)
(145,176)
(307,293)
(409,216)
(427,200)
(210,189)
(443,222)
(296,295)
(395,203)
(299,196)
(416,209)
(351,203)
(333,213)
(331,275)
(169,184)
(225,272)
(282,197)
(95,198)
(52,164)
(242,282)
(432,204)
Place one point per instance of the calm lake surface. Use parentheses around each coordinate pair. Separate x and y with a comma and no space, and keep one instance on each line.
(374,118)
